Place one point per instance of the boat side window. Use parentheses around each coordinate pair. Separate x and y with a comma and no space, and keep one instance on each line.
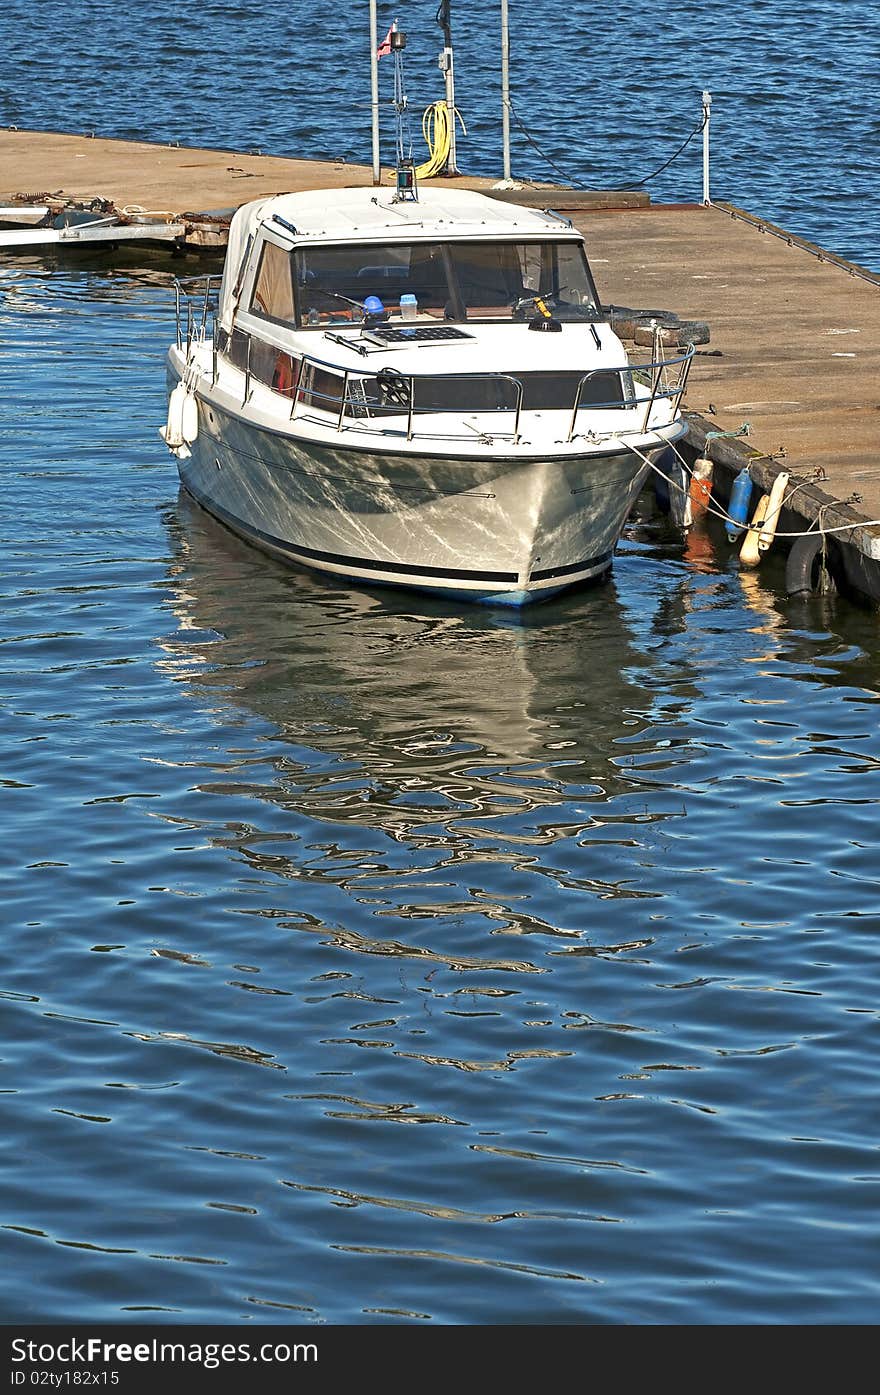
(542,391)
(236,348)
(265,362)
(243,350)
(557,391)
(286,374)
(320,389)
(273,291)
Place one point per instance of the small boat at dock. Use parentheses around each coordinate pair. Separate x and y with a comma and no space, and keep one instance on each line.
(422,392)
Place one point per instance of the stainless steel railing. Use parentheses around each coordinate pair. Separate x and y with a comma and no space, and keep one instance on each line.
(664,379)
(663,387)
(195,303)
(407,400)
(659,376)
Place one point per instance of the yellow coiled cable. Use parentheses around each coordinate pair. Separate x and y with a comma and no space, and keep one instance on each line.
(437,130)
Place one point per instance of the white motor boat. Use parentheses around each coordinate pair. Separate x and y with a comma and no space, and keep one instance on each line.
(424,393)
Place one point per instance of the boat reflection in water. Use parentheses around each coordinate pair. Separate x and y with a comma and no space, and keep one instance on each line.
(423,698)
(475,738)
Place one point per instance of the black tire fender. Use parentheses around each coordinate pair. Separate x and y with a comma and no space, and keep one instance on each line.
(801,566)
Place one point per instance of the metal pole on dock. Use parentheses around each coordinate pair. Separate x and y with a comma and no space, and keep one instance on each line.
(505,88)
(707,113)
(374,90)
(447,64)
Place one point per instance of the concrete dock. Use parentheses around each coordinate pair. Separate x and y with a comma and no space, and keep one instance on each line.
(795,341)
(180,183)
(794,344)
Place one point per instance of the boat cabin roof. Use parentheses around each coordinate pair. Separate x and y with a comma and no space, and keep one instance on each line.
(343,214)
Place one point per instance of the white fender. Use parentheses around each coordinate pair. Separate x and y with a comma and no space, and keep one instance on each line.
(173,434)
(189,418)
(768,532)
(749,555)
(679,498)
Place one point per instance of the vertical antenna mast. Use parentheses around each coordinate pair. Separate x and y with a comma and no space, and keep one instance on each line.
(406,173)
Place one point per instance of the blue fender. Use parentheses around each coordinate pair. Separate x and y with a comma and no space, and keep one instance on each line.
(738,507)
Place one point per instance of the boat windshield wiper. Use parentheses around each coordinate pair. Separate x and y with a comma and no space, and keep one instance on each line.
(337,295)
(554,299)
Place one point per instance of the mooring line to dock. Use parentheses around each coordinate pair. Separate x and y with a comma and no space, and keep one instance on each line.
(817,526)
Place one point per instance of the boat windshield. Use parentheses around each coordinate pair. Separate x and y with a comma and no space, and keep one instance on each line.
(500,281)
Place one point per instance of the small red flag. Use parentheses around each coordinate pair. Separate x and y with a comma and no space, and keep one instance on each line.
(385,46)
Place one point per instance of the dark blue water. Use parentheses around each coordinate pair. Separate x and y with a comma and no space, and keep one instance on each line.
(607,91)
(368,960)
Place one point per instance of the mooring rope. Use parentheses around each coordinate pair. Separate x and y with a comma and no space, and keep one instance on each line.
(718,512)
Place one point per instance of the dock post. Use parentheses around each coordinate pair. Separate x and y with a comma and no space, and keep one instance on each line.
(707,113)
(374,90)
(505,88)
(447,66)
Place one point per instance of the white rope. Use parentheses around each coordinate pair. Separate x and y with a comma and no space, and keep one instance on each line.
(722,513)
(192,371)
(132,210)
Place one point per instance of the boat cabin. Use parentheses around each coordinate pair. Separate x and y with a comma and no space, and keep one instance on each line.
(376,275)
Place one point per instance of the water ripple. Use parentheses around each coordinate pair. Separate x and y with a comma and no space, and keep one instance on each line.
(586,899)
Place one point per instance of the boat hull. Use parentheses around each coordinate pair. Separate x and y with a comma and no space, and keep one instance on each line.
(506,530)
